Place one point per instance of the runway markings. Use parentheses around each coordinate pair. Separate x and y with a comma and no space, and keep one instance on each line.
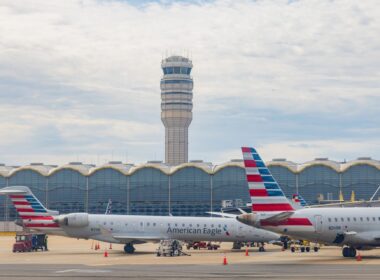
(83,271)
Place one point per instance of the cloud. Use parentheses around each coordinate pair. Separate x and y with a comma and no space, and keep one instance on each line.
(81,78)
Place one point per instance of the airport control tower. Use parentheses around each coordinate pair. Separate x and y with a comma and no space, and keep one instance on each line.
(176,106)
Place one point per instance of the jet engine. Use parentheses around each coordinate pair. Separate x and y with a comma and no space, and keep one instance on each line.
(250,219)
(73,220)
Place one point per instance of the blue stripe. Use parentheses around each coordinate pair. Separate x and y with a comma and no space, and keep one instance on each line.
(268,179)
(256,157)
(40,210)
(271,186)
(275,193)
(264,171)
(260,164)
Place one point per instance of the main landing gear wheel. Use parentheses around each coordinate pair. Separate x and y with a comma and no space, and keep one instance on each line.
(129,249)
(349,252)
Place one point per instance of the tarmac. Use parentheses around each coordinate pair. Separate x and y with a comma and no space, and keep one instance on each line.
(74,259)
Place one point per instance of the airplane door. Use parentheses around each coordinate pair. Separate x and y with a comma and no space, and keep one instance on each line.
(318,223)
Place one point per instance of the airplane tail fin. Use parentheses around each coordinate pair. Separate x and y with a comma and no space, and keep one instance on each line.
(29,208)
(299,201)
(265,192)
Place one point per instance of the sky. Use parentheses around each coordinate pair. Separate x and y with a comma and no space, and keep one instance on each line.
(80,80)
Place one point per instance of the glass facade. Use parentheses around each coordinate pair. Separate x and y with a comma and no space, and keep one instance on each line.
(188,190)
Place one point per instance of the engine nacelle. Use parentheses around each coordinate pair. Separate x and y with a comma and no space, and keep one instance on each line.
(73,220)
(250,219)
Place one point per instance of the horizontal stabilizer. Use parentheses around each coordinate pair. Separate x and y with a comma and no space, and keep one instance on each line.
(221,214)
(278,217)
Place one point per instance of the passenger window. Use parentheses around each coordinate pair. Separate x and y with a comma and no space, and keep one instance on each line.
(219,226)
(212,225)
(361,219)
(111,223)
(205,225)
(368,219)
(141,224)
(374,219)
(154,224)
(197,225)
(354,219)
(105,223)
(336,219)
(176,225)
(342,219)
(348,219)
(378,218)
(329,220)
(191,225)
(168,224)
(148,224)
(183,225)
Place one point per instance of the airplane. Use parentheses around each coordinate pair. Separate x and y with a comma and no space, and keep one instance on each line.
(354,229)
(129,229)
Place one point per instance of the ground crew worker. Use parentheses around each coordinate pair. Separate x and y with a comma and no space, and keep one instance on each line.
(45,242)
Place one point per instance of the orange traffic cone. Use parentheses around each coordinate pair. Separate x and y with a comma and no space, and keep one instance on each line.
(110,246)
(225,260)
(359,257)
(246,252)
(105,254)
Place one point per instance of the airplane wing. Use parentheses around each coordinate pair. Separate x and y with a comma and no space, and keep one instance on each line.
(278,217)
(221,214)
(132,237)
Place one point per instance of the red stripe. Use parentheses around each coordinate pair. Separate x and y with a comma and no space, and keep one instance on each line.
(36,217)
(272,207)
(289,222)
(245,149)
(250,163)
(24,210)
(17,196)
(21,203)
(55,225)
(260,192)
(254,178)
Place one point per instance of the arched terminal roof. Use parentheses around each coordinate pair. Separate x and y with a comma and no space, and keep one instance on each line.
(207,167)
(40,168)
(123,168)
(83,169)
(5,170)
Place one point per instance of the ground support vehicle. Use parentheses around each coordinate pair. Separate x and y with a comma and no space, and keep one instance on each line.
(170,248)
(27,242)
(202,245)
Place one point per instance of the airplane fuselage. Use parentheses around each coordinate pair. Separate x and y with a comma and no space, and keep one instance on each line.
(357,227)
(136,229)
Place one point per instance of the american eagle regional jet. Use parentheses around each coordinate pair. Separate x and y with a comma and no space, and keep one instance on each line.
(354,229)
(129,229)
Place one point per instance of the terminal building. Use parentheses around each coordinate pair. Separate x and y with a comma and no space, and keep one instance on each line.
(188,189)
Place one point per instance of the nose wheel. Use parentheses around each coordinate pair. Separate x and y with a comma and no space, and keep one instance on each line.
(349,252)
(129,249)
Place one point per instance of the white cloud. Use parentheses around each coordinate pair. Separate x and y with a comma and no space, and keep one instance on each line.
(271,71)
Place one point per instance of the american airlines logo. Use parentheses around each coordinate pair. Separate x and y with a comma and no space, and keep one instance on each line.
(206,231)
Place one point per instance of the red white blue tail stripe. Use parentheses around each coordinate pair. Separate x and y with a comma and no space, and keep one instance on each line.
(299,200)
(266,194)
(33,214)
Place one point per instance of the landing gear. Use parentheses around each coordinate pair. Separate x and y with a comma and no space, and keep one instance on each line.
(349,252)
(261,248)
(129,249)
